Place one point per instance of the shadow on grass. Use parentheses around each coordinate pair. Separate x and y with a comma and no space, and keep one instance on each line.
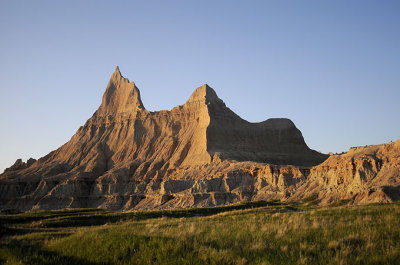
(40,215)
(92,217)
(16,253)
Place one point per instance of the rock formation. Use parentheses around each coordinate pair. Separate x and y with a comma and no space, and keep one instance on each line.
(197,154)
(19,164)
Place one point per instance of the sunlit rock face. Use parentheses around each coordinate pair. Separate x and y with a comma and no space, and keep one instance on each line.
(197,154)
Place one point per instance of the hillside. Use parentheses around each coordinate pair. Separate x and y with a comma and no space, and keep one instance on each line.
(198,154)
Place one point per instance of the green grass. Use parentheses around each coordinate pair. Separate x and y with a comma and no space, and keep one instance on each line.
(312,200)
(250,233)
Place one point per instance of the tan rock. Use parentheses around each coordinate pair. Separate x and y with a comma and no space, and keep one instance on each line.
(197,154)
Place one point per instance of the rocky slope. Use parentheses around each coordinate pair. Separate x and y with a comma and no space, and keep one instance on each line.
(198,154)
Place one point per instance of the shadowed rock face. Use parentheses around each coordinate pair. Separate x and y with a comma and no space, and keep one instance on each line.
(198,154)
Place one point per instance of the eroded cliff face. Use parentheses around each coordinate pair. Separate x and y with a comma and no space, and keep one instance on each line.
(198,154)
(362,175)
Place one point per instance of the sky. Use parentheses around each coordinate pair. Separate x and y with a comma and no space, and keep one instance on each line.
(332,67)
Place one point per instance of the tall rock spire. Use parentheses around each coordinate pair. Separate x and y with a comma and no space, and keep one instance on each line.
(121,96)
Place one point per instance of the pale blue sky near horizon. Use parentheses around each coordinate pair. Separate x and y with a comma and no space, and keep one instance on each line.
(332,67)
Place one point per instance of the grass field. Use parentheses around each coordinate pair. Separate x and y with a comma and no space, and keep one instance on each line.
(251,233)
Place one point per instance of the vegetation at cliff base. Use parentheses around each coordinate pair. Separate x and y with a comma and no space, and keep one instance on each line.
(250,233)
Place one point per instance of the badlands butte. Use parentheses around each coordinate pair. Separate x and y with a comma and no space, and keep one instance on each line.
(198,154)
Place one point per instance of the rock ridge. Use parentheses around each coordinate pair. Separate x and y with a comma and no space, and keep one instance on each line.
(197,154)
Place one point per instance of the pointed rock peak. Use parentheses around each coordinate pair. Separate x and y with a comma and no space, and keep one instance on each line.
(121,96)
(117,71)
(117,76)
(204,93)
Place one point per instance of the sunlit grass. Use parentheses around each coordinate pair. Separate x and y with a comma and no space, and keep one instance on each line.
(256,234)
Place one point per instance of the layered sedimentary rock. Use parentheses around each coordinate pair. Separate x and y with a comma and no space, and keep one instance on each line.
(362,175)
(198,154)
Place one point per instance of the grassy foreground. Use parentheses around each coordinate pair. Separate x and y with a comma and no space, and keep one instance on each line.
(251,233)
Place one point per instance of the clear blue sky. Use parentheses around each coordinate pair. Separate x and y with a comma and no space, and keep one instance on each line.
(333,67)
